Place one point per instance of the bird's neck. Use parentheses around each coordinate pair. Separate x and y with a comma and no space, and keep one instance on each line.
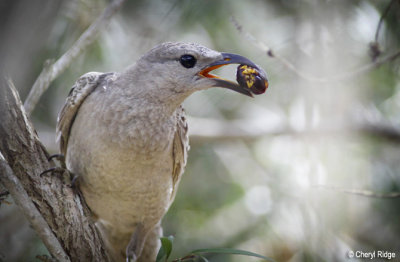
(136,84)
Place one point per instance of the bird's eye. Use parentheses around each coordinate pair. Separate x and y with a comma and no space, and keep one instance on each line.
(188,61)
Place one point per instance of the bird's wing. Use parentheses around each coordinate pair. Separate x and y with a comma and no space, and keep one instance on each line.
(79,91)
(180,148)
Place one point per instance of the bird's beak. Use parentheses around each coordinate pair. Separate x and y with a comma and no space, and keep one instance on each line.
(227,59)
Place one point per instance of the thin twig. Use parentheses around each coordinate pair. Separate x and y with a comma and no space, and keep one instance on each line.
(51,72)
(21,198)
(360,192)
(378,28)
(374,47)
(220,131)
(340,77)
(46,258)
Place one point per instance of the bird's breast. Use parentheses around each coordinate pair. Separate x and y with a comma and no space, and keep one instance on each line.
(123,156)
(146,130)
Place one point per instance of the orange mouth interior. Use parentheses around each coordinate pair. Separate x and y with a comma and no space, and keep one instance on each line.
(205,71)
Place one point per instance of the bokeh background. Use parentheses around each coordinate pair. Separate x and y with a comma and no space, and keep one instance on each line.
(266,174)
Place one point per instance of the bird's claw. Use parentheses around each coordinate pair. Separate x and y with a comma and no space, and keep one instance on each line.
(130,253)
(74,181)
(62,170)
(60,158)
(57,170)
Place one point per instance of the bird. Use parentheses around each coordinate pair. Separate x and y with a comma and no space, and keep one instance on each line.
(124,135)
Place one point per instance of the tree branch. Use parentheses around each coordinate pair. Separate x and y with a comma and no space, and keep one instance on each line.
(51,72)
(62,209)
(57,214)
(360,192)
(340,77)
(221,131)
(37,221)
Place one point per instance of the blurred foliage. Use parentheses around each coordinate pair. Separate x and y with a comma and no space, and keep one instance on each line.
(199,254)
(255,194)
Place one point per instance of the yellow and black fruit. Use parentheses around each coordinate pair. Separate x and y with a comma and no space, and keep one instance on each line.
(250,78)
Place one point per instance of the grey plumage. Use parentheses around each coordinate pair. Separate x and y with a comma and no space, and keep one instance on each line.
(125,136)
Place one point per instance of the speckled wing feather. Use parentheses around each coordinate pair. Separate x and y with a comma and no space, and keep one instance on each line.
(180,148)
(80,90)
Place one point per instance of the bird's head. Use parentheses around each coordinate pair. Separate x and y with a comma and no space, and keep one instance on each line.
(179,69)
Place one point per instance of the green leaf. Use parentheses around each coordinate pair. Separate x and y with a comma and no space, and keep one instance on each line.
(230,251)
(165,249)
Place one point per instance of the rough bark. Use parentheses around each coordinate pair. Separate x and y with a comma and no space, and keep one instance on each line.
(61,207)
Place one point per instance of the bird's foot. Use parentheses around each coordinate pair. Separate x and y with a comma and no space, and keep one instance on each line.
(61,170)
(131,257)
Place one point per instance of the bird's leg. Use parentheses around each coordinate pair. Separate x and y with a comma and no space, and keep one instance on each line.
(152,244)
(62,170)
(136,243)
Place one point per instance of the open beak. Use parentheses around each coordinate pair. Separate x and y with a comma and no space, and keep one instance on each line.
(227,59)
